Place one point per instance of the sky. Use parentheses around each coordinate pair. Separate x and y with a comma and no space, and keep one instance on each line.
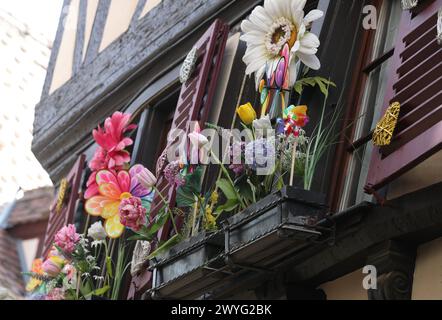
(40,15)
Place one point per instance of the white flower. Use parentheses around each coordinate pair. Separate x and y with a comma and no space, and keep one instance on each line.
(261,126)
(96,231)
(270,27)
(198,140)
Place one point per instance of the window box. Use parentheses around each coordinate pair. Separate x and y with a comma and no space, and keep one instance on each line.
(259,237)
(274,228)
(186,269)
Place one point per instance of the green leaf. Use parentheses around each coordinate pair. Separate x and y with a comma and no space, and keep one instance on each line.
(137,237)
(166,246)
(99,292)
(186,193)
(227,188)
(229,206)
(321,82)
(109,267)
(184,198)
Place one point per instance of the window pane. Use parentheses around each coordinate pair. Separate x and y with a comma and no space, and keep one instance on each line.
(371,105)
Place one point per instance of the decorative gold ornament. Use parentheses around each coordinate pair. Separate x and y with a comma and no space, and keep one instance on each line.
(409,4)
(385,128)
(62,192)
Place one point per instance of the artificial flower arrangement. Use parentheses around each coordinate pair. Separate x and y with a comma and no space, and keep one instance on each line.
(276,152)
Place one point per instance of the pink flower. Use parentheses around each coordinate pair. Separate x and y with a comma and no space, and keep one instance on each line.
(132,213)
(98,161)
(91,186)
(55,294)
(172,173)
(53,266)
(112,142)
(146,178)
(67,238)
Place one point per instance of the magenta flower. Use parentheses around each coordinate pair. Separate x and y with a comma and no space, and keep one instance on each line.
(55,294)
(67,238)
(132,213)
(173,175)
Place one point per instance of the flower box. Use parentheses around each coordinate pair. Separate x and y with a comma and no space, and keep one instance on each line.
(256,239)
(266,233)
(188,268)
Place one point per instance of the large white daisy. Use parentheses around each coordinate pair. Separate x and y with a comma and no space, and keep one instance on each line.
(270,27)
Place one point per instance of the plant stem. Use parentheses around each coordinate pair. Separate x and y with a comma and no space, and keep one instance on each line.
(292,171)
(168,209)
(226,173)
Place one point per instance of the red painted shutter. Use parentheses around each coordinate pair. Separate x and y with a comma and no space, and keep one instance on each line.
(66,216)
(195,99)
(416,82)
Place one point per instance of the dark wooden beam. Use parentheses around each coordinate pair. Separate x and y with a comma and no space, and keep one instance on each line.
(55,48)
(137,13)
(97,30)
(80,36)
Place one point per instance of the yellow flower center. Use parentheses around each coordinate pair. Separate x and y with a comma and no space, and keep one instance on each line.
(281,32)
(125,195)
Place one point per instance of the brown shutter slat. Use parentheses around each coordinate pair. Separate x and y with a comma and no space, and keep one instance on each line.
(66,216)
(194,102)
(416,83)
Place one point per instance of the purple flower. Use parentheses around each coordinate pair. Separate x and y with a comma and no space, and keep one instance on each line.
(173,175)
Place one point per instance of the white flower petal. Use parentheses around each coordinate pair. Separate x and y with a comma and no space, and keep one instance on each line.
(310,61)
(259,23)
(274,8)
(307,50)
(261,14)
(255,65)
(293,71)
(298,5)
(301,31)
(297,18)
(258,75)
(296,46)
(286,8)
(312,16)
(247,26)
(253,38)
(254,53)
(310,40)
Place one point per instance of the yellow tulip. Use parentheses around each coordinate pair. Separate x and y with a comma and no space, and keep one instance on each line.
(246,113)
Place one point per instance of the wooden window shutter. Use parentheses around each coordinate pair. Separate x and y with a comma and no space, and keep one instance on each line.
(416,83)
(65,216)
(194,101)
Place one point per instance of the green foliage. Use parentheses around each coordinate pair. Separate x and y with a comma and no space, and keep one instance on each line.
(148,233)
(165,246)
(322,83)
(185,196)
(227,188)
